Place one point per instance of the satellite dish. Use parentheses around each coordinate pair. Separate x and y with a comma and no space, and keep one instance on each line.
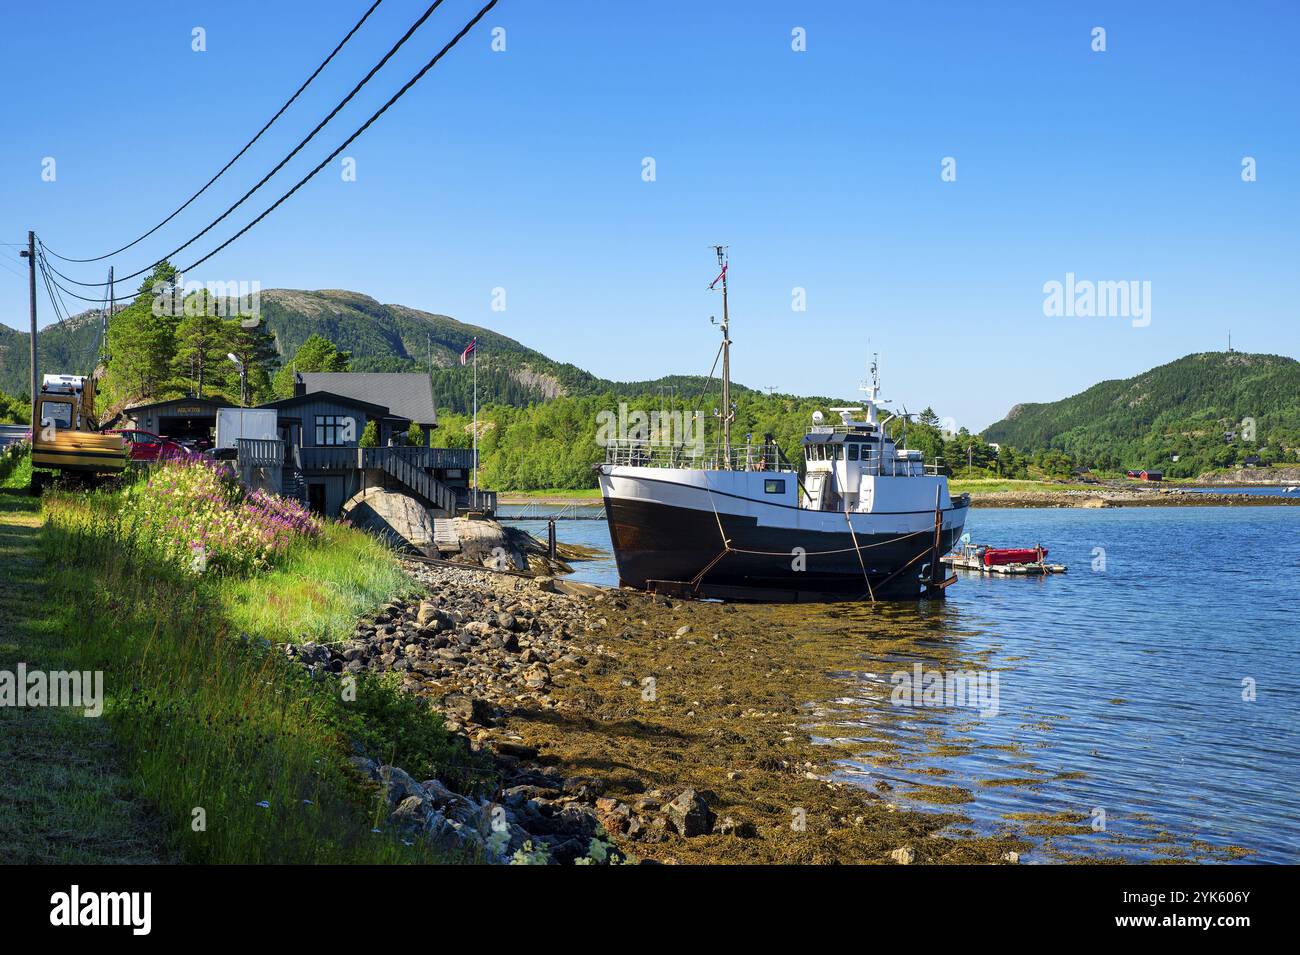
(817,417)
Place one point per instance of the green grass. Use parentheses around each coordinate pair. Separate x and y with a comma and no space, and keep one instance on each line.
(15,470)
(318,591)
(64,794)
(240,755)
(1000,485)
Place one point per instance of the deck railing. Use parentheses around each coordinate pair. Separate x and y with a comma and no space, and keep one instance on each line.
(259,452)
(469,499)
(643,454)
(326,459)
(439,459)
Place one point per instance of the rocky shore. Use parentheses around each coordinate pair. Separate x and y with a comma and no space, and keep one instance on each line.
(1108,496)
(625,727)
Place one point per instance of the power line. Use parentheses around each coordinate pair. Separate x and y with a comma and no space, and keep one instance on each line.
(247,146)
(281,164)
(330,158)
(68,291)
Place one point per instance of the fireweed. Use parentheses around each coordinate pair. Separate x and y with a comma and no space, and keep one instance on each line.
(194,515)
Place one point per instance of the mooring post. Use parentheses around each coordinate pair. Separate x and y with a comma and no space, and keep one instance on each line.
(550,538)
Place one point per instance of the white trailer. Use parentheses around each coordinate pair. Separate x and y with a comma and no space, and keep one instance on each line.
(235,423)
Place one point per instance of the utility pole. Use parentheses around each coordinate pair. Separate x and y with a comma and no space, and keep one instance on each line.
(112,304)
(31,292)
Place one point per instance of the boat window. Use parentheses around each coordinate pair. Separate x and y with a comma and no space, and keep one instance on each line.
(771,486)
(853,452)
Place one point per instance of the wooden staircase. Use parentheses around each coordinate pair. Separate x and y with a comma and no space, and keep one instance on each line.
(406,466)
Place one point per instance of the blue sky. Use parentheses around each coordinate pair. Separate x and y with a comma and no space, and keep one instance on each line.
(820,169)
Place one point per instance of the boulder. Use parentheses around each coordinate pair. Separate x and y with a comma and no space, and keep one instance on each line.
(398,518)
(466,709)
(487,543)
(400,785)
(904,856)
(689,814)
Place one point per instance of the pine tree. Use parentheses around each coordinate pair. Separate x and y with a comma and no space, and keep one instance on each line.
(142,339)
(202,339)
(255,348)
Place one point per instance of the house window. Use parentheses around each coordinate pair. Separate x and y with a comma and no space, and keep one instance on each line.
(774,486)
(330,430)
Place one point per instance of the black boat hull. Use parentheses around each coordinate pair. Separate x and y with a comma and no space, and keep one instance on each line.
(669,548)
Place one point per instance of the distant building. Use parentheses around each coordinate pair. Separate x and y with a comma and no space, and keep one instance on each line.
(1151,475)
(1252,461)
(187,421)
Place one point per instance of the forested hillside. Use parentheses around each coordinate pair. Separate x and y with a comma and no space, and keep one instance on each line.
(1212,409)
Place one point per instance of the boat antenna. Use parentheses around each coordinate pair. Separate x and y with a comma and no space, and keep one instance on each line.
(872,390)
(728,412)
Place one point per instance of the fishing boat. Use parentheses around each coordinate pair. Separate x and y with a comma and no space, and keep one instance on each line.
(868,520)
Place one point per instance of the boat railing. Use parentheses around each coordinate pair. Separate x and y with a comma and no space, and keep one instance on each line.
(748,458)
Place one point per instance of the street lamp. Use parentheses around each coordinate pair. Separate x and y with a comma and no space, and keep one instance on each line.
(243,378)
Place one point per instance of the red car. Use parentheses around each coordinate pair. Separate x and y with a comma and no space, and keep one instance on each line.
(144,446)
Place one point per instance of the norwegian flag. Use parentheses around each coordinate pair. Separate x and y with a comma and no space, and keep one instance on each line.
(469,350)
(721,275)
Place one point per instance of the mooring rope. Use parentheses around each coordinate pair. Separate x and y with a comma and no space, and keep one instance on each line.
(854,534)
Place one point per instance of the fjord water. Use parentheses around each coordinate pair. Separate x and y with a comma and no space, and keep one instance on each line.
(1124,727)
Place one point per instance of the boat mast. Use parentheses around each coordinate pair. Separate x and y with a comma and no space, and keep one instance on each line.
(727,413)
(873,390)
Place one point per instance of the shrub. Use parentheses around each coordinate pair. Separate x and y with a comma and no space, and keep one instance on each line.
(194,516)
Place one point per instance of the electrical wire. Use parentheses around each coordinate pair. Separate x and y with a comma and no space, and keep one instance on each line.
(247,146)
(296,149)
(330,158)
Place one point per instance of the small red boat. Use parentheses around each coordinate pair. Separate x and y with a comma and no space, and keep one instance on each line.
(1000,556)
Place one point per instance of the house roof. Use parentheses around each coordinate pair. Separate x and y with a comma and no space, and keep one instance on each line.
(406,394)
(374,410)
(213,402)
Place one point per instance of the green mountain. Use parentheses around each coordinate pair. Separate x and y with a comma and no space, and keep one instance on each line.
(66,348)
(380,338)
(1210,410)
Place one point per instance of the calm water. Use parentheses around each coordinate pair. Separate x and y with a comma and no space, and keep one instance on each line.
(1119,688)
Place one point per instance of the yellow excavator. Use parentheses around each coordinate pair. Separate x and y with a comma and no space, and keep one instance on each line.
(66,439)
